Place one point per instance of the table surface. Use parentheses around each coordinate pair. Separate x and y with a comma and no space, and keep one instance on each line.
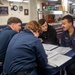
(58,57)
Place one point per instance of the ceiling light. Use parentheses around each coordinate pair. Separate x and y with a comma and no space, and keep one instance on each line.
(57,12)
(52,0)
(15,0)
(26,1)
(73,4)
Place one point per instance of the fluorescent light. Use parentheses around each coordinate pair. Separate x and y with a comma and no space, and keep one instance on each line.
(73,4)
(15,0)
(26,1)
(52,0)
(57,12)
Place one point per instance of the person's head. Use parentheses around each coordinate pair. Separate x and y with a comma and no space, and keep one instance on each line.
(14,23)
(67,22)
(43,24)
(34,27)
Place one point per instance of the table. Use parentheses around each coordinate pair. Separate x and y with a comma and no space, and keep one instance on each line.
(58,57)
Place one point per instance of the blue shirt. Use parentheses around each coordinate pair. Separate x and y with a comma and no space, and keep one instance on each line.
(5,36)
(24,52)
(68,41)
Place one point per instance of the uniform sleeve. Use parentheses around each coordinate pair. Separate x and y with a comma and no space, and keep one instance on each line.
(6,37)
(40,36)
(42,63)
(62,40)
(41,56)
(11,34)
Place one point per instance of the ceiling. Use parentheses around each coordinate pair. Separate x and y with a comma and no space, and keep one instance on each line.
(60,0)
(73,1)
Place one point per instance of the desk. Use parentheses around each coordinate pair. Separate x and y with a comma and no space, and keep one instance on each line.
(58,57)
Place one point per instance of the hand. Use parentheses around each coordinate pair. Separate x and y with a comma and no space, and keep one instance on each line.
(41,39)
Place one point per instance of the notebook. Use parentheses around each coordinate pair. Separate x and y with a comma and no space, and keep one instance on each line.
(58,60)
(49,46)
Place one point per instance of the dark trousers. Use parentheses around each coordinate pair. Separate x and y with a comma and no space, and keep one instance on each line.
(1,69)
(71,69)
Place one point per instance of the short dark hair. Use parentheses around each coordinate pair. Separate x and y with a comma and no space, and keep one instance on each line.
(41,21)
(69,18)
(13,20)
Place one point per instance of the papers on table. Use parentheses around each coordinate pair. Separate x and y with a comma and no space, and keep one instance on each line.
(58,60)
(49,46)
(63,50)
(57,55)
(51,53)
(59,49)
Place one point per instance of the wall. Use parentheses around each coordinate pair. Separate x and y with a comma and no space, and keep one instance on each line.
(19,14)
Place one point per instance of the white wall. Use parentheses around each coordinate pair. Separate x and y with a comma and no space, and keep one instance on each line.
(12,13)
(19,14)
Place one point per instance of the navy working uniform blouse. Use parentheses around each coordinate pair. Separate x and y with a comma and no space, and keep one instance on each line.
(24,52)
(5,36)
(68,41)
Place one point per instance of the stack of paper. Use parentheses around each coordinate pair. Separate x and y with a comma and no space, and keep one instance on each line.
(56,57)
(49,46)
(63,50)
(51,53)
(58,60)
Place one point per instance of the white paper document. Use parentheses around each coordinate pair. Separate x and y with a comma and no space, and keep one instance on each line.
(58,60)
(49,46)
(51,53)
(63,50)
